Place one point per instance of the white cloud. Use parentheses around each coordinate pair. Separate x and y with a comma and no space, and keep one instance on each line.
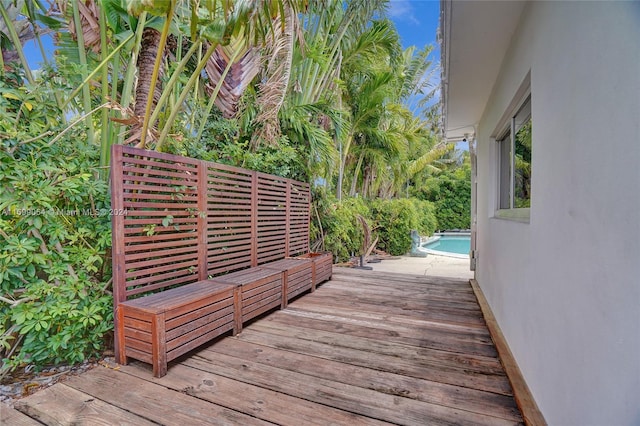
(402,10)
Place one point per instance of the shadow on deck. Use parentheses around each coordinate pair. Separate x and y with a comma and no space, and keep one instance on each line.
(365,348)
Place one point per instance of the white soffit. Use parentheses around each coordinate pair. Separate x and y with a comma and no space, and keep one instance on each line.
(476,36)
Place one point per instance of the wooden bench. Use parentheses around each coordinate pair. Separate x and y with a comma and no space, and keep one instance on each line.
(162,326)
(297,277)
(258,291)
(193,247)
(322,266)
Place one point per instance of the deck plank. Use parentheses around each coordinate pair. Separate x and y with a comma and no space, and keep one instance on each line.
(399,307)
(358,316)
(364,349)
(434,340)
(13,417)
(417,355)
(434,372)
(250,399)
(399,319)
(388,383)
(391,408)
(155,402)
(63,405)
(407,280)
(463,298)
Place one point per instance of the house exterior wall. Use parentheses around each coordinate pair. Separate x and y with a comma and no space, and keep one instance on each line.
(565,287)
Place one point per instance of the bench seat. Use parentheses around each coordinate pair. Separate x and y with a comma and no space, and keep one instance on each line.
(297,276)
(260,290)
(160,327)
(322,266)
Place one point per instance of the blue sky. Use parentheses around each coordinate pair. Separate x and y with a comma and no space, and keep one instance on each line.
(32,52)
(416,20)
(417,23)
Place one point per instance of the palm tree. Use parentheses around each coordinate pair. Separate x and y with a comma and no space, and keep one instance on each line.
(226,44)
(367,73)
(388,143)
(313,114)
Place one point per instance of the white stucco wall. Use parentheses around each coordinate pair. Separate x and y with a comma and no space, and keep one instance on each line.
(565,288)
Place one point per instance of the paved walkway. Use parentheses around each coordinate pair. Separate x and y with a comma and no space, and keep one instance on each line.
(432,265)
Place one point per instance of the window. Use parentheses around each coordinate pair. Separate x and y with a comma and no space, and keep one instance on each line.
(514,160)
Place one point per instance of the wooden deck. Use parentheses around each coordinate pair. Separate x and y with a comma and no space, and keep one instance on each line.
(365,348)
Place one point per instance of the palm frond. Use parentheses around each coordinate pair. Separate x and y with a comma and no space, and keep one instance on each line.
(89,22)
(418,72)
(242,72)
(429,158)
(271,95)
(301,122)
(380,41)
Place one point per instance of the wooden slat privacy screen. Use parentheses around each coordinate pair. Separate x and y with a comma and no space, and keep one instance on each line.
(229,222)
(180,214)
(272,217)
(299,216)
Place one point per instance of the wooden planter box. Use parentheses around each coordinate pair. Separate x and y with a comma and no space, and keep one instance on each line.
(322,266)
(297,277)
(161,327)
(258,291)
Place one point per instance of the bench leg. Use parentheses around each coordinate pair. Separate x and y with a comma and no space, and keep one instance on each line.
(313,276)
(159,346)
(237,310)
(285,289)
(119,343)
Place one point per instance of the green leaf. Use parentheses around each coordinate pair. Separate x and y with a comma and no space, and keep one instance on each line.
(168,220)
(150,230)
(10,96)
(214,32)
(50,22)
(19,318)
(37,222)
(31,270)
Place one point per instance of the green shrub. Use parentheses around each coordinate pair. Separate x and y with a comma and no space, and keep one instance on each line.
(394,220)
(427,221)
(54,242)
(390,220)
(450,193)
(343,233)
(221,143)
(280,160)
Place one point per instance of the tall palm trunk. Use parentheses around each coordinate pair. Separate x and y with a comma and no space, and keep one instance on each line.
(366,182)
(146,62)
(354,182)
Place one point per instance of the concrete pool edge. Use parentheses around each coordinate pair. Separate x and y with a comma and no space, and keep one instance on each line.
(446,254)
(432,265)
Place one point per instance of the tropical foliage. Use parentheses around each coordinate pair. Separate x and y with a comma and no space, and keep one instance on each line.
(55,233)
(315,90)
(394,220)
(388,222)
(449,191)
(522,169)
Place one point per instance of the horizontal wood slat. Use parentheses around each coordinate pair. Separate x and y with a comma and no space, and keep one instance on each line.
(160,244)
(180,221)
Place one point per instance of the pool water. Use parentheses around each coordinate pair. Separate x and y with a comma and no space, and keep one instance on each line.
(456,244)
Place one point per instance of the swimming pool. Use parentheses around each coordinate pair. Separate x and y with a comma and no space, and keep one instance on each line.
(457,245)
